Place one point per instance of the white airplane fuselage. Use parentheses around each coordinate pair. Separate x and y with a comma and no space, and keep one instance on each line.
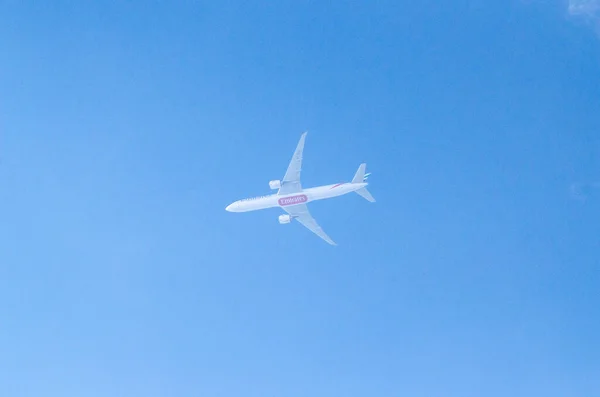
(303,197)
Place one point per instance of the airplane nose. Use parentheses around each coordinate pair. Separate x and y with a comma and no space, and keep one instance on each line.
(229,207)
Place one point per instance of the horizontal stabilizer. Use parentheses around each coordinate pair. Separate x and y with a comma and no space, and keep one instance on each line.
(363,192)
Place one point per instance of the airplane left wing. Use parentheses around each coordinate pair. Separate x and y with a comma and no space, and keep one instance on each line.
(291,180)
(301,214)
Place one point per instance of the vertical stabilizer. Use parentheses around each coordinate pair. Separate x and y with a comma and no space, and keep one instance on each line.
(359,177)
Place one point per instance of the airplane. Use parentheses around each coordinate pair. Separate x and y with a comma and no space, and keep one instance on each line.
(292,198)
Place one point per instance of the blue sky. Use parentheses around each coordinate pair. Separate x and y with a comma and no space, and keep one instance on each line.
(127,127)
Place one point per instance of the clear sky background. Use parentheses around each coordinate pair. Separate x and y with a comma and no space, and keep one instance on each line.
(128,126)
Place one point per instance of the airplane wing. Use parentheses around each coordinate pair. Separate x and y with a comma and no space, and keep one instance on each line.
(301,214)
(291,180)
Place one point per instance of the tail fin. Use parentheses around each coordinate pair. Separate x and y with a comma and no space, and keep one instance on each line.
(361,177)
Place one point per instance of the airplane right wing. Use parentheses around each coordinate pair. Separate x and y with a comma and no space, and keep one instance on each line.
(291,180)
(301,214)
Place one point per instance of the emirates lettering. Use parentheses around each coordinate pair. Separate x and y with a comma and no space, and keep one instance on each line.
(293,200)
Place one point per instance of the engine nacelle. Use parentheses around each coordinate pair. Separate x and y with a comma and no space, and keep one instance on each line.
(283,219)
(276,184)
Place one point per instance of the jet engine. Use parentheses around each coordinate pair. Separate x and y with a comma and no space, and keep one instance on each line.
(283,219)
(276,184)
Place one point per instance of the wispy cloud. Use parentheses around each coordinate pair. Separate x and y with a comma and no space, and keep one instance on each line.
(583,190)
(588,10)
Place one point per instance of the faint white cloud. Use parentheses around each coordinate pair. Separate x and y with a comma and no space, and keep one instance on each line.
(586,10)
(583,190)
